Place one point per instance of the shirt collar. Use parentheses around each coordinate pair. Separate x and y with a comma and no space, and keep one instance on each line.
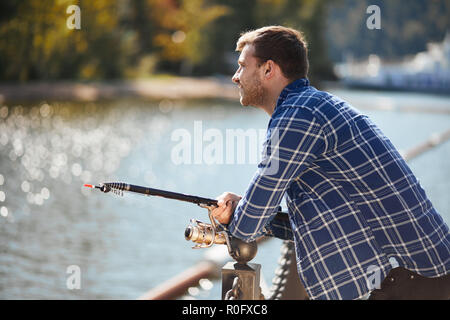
(295,85)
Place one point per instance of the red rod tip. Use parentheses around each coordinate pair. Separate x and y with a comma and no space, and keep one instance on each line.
(89,185)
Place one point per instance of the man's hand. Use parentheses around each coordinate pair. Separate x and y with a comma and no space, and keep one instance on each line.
(227,202)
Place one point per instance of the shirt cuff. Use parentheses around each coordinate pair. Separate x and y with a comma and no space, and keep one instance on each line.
(279,228)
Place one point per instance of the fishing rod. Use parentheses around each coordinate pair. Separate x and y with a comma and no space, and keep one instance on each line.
(119,187)
(201,233)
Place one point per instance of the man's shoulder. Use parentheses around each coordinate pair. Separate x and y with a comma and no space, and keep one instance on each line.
(296,108)
(310,98)
(298,97)
(319,103)
(306,101)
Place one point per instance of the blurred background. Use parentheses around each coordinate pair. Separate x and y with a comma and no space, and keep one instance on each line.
(100,103)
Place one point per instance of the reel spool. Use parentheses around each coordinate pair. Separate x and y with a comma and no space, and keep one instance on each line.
(205,235)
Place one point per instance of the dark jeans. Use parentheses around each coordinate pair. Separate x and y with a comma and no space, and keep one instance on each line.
(402,284)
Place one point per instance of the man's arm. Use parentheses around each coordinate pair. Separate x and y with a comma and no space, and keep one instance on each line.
(294,141)
(278,227)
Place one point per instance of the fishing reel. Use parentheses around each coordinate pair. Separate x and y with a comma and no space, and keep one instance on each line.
(207,234)
(204,234)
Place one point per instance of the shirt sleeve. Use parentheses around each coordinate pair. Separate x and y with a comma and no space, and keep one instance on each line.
(294,140)
(279,227)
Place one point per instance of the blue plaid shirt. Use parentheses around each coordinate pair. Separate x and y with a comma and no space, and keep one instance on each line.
(352,200)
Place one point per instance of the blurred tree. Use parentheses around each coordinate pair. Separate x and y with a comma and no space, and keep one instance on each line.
(136,38)
(184,36)
(35,42)
(182,28)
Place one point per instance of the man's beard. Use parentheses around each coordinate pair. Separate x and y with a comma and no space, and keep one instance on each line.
(253,94)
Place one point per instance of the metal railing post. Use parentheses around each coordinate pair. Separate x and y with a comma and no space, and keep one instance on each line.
(241,281)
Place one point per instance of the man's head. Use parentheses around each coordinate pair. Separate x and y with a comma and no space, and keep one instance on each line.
(270,57)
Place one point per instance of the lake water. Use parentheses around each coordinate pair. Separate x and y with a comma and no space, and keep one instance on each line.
(126,245)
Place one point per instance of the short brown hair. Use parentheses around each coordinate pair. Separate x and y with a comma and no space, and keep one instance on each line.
(285,46)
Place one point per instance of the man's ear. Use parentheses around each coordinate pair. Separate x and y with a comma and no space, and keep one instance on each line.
(269,69)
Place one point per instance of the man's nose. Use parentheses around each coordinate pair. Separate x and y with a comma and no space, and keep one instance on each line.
(235,78)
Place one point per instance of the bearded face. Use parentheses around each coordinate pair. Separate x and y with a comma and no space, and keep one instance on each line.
(251,91)
(247,77)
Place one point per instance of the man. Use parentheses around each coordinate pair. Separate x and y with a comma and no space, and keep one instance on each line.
(353,202)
